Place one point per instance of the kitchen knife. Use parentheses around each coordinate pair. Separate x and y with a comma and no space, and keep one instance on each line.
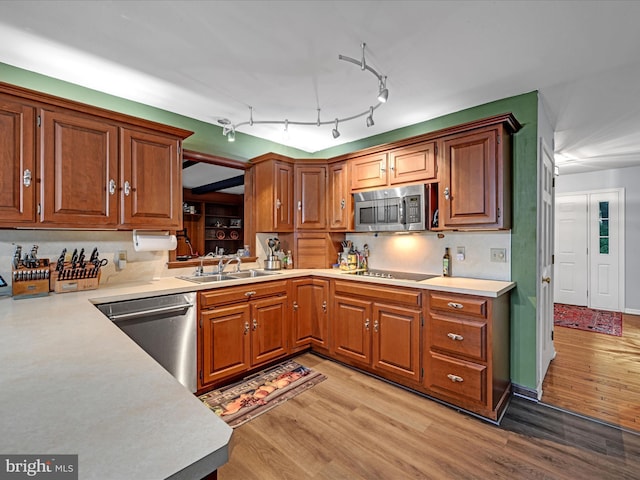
(94,255)
(60,263)
(81,258)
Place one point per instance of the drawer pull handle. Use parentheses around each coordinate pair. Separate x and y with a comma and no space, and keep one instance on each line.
(249,294)
(455,378)
(255,324)
(324,306)
(375,326)
(455,336)
(455,305)
(295,306)
(246,327)
(366,324)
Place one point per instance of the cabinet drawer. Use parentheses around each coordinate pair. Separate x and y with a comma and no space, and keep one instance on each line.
(460,304)
(457,378)
(378,292)
(464,337)
(225,295)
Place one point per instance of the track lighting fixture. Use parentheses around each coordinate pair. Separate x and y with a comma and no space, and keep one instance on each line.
(370,122)
(229,129)
(335,131)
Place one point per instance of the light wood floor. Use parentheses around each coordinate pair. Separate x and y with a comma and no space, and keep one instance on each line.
(597,375)
(352,426)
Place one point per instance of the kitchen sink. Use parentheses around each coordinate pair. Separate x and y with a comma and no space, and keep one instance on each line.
(208,278)
(251,274)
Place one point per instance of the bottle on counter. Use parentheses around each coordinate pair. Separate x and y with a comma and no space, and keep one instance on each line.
(289,263)
(446,263)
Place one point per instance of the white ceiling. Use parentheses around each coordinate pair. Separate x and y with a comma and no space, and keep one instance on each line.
(212,59)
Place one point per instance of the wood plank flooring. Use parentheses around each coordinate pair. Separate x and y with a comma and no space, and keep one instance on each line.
(353,426)
(597,375)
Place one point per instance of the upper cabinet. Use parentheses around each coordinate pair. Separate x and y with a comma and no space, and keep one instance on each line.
(310,199)
(17,162)
(76,166)
(415,163)
(340,200)
(273,180)
(475,181)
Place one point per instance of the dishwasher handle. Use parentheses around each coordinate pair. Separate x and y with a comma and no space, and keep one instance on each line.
(172,309)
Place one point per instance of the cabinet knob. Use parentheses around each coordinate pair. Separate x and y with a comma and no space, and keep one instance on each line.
(455,378)
(278,203)
(324,306)
(375,326)
(366,324)
(447,195)
(455,336)
(343,204)
(255,324)
(455,305)
(127,188)
(295,305)
(246,327)
(26,178)
(299,205)
(112,186)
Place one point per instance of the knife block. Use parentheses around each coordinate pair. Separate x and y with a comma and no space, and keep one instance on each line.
(30,282)
(72,284)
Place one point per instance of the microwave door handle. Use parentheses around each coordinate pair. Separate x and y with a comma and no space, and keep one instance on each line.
(402,212)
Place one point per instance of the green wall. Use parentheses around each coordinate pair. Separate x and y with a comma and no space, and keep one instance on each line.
(209,139)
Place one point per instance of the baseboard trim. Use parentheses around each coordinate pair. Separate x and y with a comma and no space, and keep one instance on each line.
(525,392)
(631,311)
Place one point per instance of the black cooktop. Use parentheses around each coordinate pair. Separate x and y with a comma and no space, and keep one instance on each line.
(417,277)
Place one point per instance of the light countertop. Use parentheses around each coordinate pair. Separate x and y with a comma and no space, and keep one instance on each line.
(71,382)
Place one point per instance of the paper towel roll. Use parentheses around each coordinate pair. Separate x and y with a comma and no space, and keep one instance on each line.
(153,241)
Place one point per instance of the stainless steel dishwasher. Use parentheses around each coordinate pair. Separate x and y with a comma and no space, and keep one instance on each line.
(165,328)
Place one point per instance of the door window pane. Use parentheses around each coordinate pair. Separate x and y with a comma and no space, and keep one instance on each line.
(603,214)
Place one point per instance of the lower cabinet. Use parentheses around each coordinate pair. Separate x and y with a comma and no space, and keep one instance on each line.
(466,351)
(377,328)
(310,314)
(241,328)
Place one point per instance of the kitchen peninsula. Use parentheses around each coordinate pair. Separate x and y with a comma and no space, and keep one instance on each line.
(72,382)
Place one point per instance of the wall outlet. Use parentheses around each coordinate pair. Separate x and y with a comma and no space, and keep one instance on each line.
(498,254)
(121,259)
(460,254)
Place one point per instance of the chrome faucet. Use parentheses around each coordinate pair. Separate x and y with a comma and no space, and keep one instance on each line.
(222,266)
(200,269)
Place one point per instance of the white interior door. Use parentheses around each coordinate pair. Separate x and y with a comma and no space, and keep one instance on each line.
(571,260)
(605,250)
(546,350)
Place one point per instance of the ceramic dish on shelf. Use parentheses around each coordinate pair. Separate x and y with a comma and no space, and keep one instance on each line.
(234,235)
(220,235)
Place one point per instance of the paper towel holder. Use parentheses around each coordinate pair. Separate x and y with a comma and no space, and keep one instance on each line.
(153,240)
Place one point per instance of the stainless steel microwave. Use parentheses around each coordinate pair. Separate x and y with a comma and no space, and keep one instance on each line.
(398,209)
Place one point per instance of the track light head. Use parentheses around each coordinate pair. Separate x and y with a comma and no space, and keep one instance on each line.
(335,131)
(383,94)
(370,122)
(231,135)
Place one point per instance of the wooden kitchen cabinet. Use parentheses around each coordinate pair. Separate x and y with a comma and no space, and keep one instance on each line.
(273,180)
(466,359)
(377,328)
(95,169)
(79,170)
(340,200)
(369,171)
(151,180)
(17,162)
(241,328)
(475,181)
(310,314)
(310,196)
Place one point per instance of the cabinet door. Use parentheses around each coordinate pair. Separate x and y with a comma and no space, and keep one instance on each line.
(225,343)
(413,164)
(151,181)
(369,171)
(396,340)
(311,187)
(469,187)
(310,315)
(340,201)
(269,328)
(17,163)
(79,170)
(273,196)
(351,335)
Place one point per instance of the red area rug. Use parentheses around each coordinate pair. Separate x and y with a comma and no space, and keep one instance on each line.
(238,403)
(588,319)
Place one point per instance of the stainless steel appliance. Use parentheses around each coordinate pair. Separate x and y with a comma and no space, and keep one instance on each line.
(273,261)
(416,277)
(398,209)
(165,328)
